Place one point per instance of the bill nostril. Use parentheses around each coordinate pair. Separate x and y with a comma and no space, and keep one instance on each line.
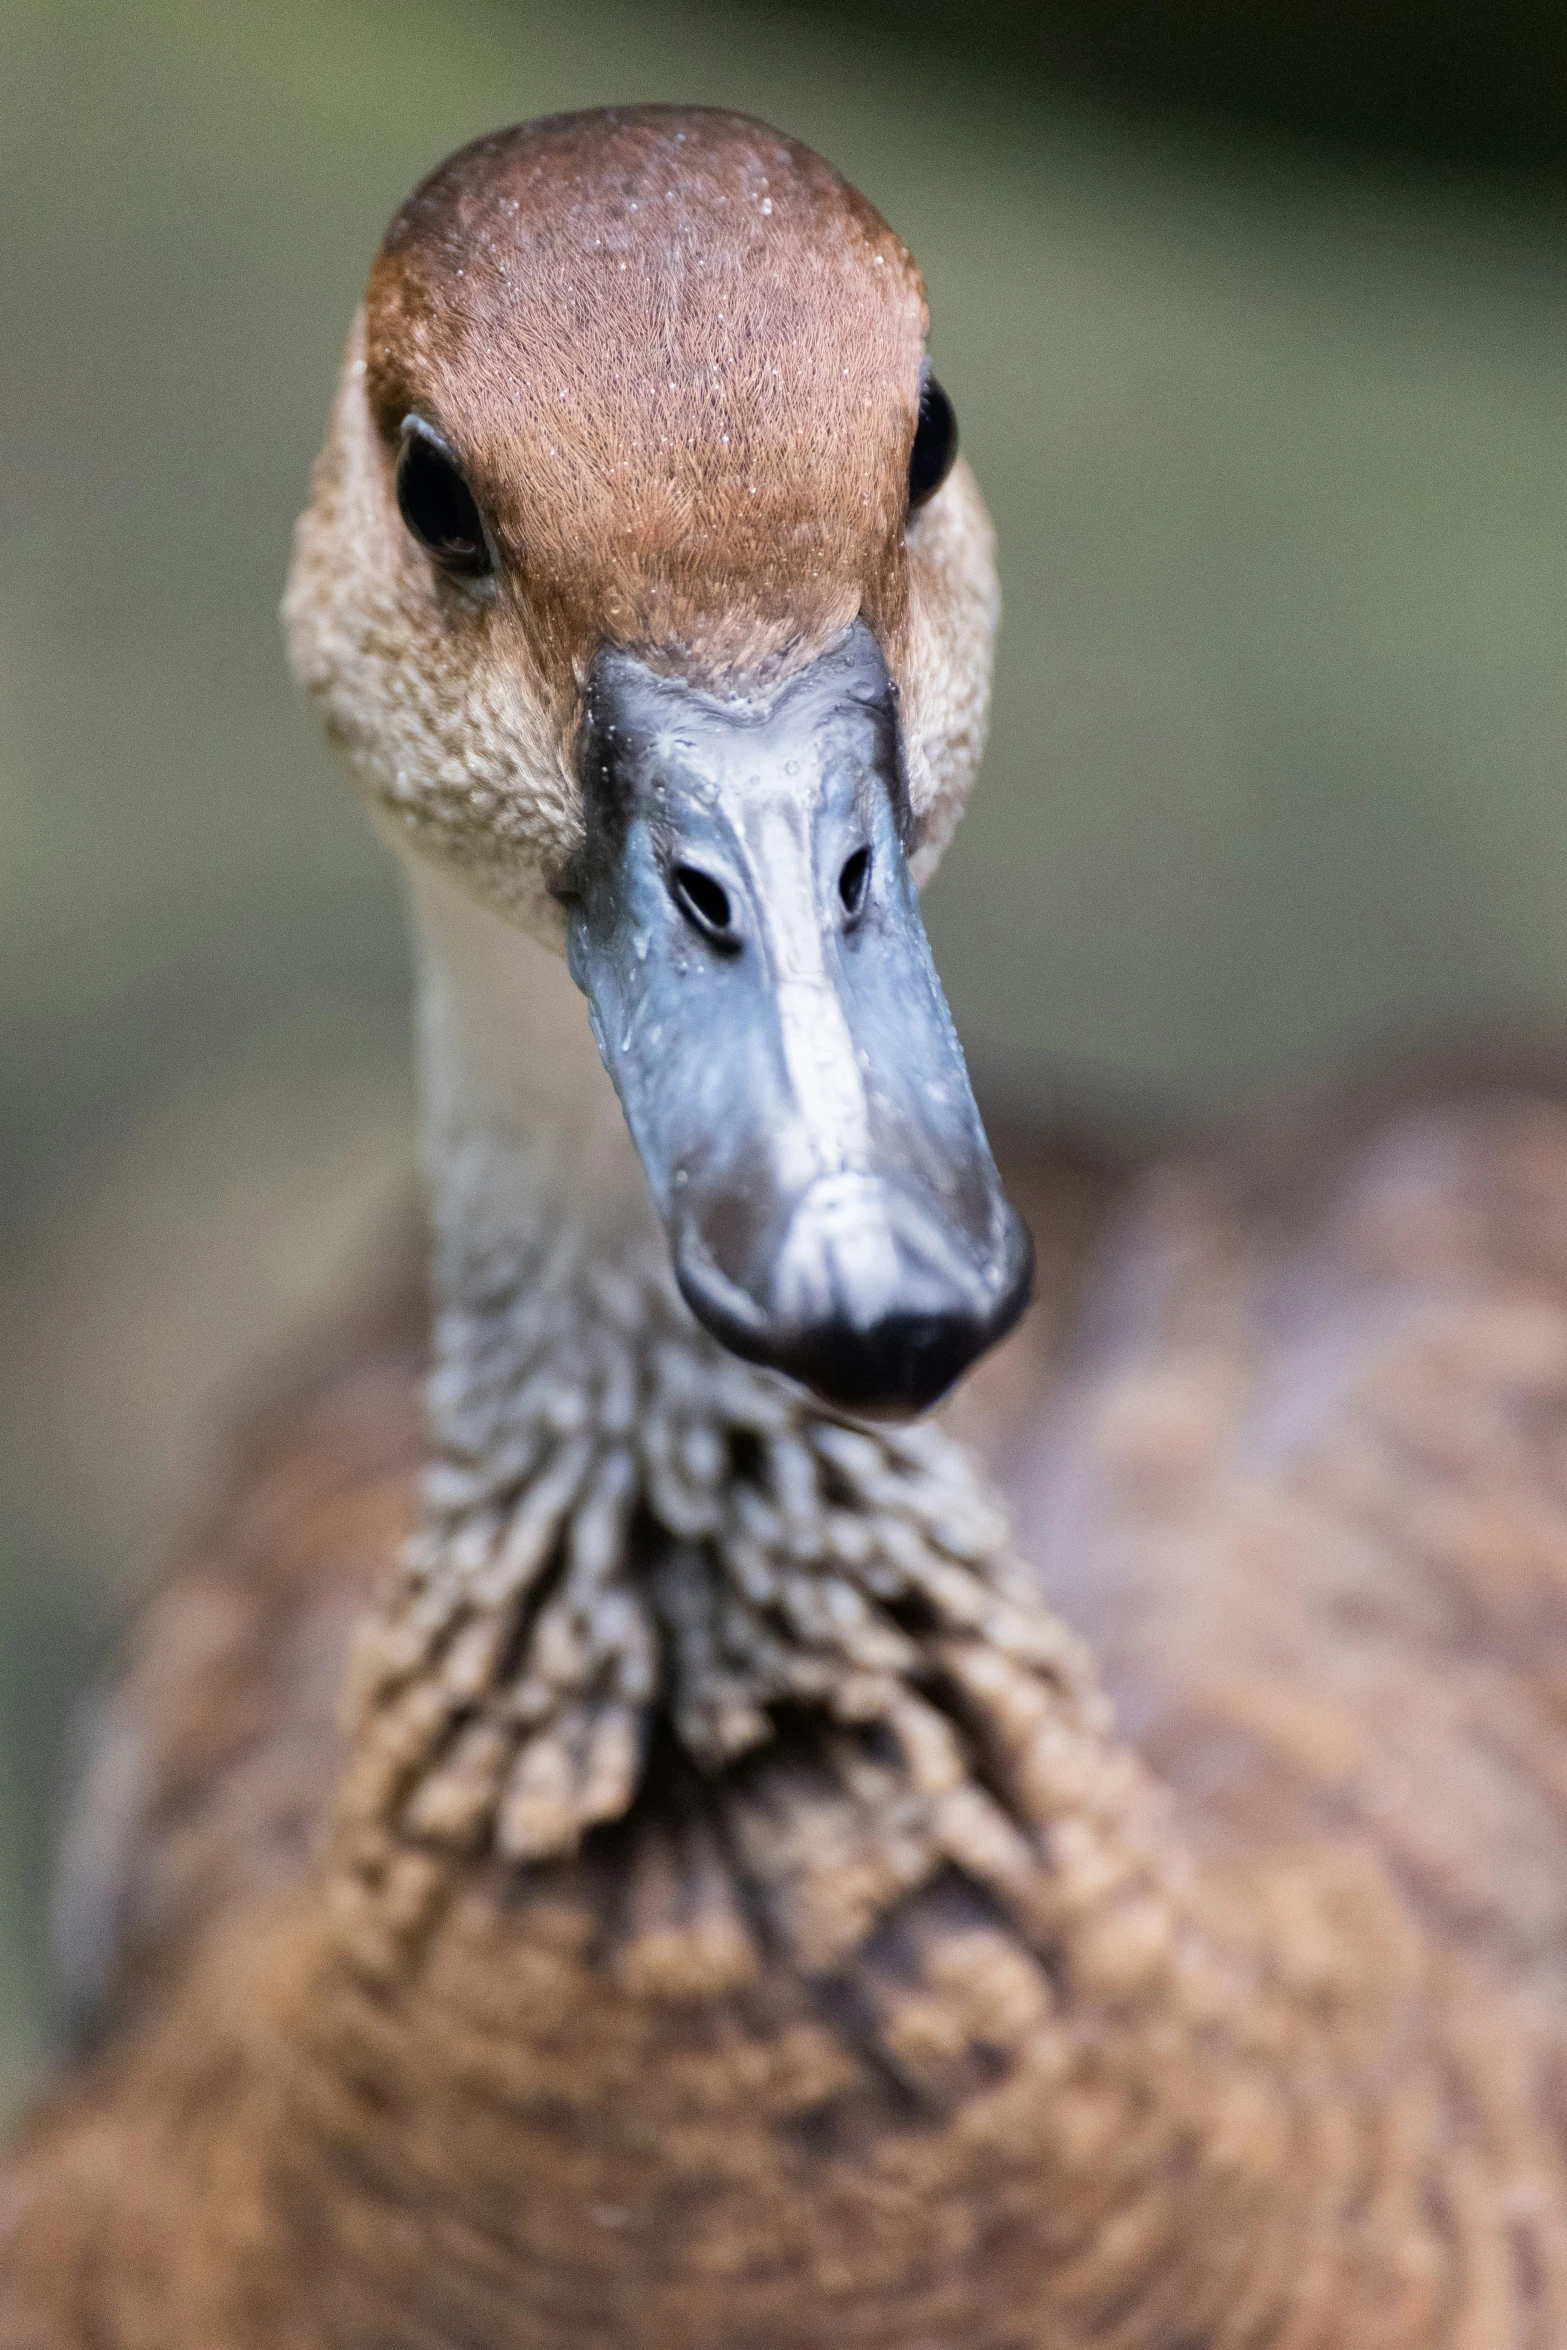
(852,881)
(705,903)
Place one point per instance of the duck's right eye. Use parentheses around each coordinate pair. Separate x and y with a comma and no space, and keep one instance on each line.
(935,443)
(438,507)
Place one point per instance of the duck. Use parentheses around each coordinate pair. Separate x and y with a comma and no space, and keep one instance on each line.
(698,1777)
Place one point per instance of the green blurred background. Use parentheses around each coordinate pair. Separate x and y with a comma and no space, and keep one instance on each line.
(1255,325)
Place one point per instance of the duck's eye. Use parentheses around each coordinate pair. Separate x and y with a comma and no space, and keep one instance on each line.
(935,444)
(437,505)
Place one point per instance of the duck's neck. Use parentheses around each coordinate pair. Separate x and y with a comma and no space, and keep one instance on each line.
(525,1147)
(629,1537)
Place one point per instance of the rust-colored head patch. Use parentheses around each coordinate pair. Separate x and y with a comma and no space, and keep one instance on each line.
(678,359)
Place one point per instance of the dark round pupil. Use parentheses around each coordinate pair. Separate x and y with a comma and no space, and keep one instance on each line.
(935,443)
(437,505)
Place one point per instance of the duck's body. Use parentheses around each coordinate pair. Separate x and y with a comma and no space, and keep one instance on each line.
(721,1912)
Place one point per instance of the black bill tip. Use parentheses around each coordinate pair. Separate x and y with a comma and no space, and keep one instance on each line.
(871,1305)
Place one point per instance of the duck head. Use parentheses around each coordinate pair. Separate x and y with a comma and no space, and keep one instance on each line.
(645,593)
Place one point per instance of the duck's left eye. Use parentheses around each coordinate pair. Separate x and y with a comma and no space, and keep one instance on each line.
(438,506)
(935,444)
